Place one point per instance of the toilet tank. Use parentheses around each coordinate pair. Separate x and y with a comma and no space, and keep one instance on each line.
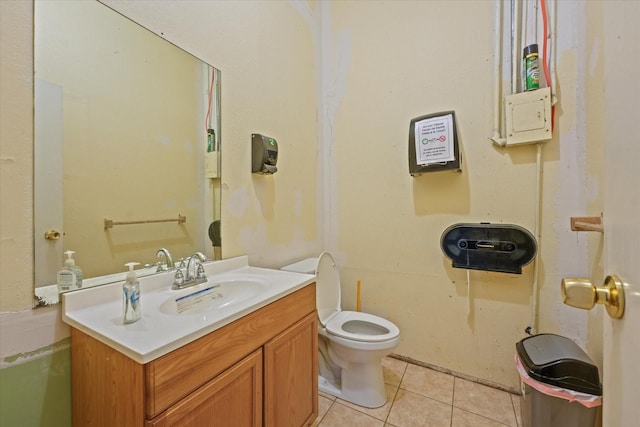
(307,266)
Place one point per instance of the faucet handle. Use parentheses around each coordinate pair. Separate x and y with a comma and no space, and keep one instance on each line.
(181,263)
(158,265)
(178,279)
(200,271)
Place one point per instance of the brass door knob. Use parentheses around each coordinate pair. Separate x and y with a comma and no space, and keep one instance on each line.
(52,235)
(581,293)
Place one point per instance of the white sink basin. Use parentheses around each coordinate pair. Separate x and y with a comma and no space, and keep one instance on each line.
(173,318)
(213,295)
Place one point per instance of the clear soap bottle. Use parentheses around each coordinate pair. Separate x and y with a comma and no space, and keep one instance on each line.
(66,277)
(131,296)
(77,271)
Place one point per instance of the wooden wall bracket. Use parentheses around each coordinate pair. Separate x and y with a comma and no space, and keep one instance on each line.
(587,223)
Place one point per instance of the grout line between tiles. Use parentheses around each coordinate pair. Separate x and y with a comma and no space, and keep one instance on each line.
(453,399)
(393,401)
(325,413)
(515,413)
(404,372)
(481,416)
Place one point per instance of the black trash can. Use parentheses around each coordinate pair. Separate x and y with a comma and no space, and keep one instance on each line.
(561,385)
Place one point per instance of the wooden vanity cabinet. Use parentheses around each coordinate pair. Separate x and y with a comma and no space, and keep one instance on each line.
(260,370)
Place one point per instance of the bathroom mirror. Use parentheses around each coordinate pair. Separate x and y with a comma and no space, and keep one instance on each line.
(126,146)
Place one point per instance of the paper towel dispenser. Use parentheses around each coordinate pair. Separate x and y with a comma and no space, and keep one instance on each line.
(504,248)
(434,144)
(264,154)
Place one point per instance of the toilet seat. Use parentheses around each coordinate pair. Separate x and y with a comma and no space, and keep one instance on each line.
(327,288)
(358,326)
(352,325)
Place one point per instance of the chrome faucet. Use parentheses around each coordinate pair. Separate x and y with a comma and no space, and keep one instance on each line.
(165,252)
(192,277)
(191,271)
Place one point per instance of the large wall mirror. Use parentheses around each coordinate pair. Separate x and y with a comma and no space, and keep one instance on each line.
(127,146)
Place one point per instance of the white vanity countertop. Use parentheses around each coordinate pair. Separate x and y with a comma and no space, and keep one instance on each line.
(98,311)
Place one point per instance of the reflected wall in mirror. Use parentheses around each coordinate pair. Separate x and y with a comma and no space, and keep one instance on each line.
(121,133)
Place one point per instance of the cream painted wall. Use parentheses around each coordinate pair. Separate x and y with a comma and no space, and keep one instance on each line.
(16,155)
(405,59)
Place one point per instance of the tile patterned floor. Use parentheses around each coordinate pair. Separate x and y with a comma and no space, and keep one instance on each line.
(422,397)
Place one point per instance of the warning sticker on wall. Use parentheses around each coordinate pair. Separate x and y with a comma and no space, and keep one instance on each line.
(434,140)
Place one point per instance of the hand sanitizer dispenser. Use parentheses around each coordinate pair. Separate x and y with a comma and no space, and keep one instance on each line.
(264,152)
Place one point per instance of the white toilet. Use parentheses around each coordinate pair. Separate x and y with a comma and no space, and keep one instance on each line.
(351,344)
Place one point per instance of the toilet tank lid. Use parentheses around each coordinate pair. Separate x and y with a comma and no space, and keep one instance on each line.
(307,266)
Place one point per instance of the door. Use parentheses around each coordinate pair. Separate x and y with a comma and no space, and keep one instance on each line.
(621,370)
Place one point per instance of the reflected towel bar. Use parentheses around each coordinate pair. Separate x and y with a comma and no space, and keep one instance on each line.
(587,223)
(109,223)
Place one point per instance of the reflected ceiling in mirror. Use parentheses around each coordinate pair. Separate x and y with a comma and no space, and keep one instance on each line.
(121,129)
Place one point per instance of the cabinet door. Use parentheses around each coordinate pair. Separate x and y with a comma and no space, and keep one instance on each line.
(233,398)
(291,375)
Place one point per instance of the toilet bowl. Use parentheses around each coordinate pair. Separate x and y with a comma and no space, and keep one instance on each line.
(351,344)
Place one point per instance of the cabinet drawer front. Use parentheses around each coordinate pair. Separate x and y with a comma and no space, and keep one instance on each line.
(234,398)
(173,376)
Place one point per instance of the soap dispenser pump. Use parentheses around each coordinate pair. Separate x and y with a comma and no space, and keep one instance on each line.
(131,296)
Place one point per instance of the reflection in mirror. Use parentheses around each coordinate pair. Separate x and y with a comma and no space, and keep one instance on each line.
(127,143)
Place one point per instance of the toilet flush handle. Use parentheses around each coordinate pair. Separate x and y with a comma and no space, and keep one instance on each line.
(582,293)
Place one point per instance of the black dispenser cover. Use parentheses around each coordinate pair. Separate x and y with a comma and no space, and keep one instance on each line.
(456,165)
(214,233)
(264,154)
(556,360)
(504,248)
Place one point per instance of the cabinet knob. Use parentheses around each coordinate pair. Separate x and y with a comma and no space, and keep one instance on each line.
(582,293)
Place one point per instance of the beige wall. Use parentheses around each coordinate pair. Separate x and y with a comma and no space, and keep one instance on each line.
(16,149)
(407,59)
(378,70)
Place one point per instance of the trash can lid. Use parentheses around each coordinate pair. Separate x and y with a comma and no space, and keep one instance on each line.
(557,360)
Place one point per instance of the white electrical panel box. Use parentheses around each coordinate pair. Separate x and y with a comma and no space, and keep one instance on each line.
(528,116)
(211,164)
